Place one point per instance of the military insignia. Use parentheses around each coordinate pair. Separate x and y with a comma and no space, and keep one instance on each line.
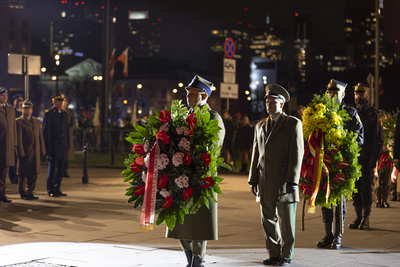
(358,118)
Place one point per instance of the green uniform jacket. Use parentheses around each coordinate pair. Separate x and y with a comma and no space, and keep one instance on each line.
(204,224)
(277,159)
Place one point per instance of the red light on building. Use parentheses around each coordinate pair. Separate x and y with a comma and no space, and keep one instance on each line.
(249,25)
(159,20)
(239,22)
(397,40)
(390,40)
(296,14)
(115,8)
(147,11)
(102,7)
(76,3)
(82,3)
(246,8)
(129,11)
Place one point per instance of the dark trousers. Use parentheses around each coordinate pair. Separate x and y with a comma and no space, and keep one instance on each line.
(327,214)
(12,170)
(26,184)
(383,184)
(3,175)
(66,164)
(55,175)
(363,198)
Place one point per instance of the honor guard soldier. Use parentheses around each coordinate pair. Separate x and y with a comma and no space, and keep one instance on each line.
(56,139)
(30,149)
(337,89)
(12,172)
(8,141)
(370,153)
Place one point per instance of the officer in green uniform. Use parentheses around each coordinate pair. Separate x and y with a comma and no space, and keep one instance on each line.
(202,226)
(370,153)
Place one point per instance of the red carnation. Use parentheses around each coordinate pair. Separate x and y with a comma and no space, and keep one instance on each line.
(306,189)
(163,181)
(208,182)
(163,137)
(310,162)
(327,159)
(168,202)
(138,149)
(384,157)
(191,120)
(135,167)
(139,161)
(164,116)
(380,165)
(139,190)
(187,193)
(206,158)
(339,178)
(186,158)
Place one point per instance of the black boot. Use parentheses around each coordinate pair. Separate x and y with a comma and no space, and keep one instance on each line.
(365,222)
(394,196)
(189,257)
(327,240)
(197,262)
(244,167)
(378,203)
(337,240)
(385,203)
(356,223)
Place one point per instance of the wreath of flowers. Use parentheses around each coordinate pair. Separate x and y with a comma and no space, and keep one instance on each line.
(187,163)
(388,122)
(339,150)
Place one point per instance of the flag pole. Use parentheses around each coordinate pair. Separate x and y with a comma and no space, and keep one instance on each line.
(106,69)
(377,25)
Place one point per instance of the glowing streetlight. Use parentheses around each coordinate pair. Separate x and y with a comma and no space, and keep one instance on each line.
(43,69)
(125,101)
(139,86)
(248,98)
(180,84)
(54,78)
(213,88)
(57,57)
(247,92)
(175,90)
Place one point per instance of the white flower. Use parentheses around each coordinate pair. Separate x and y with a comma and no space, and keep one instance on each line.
(146,146)
(177,159)
(186,184)
(165,193)
(178,182)
(146,160)
(182,181)
(185,144)
(162,161)
(144,175)
(183,130)
(164,127)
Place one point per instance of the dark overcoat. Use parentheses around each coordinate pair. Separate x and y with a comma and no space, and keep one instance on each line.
(8,140)
(30,145)
(204,224)
(71,129)
(55,133)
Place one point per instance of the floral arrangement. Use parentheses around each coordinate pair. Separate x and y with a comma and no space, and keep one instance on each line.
(184,165)
(330,163)
(388,122)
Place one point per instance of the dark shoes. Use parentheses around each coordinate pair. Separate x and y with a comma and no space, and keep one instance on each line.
(337,242)
(364,224)
(356,223)
(29,197)
(5,200)
(66,175)
(385,204)
(61,194)
(325,242)
(272,261)
(57,194)
(14,181)
(283,262)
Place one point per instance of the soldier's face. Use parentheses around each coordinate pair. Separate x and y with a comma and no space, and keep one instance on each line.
(273,105)
(360,98)
(64,104)
(57,104)
(3,98)
(27,111)
(194,97)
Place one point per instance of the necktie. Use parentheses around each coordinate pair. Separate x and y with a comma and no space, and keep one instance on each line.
(271,124)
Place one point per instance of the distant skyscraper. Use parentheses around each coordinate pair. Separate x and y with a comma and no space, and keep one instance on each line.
(15,32)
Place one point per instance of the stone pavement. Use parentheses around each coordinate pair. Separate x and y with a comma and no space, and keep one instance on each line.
(93,226)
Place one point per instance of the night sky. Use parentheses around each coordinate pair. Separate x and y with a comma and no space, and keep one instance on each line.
(186,24)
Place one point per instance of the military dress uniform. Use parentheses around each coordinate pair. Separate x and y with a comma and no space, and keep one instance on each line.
(370,153)
(12,171)
(30,149)
(56,139)
(353,125)
(202,226)
(8,142)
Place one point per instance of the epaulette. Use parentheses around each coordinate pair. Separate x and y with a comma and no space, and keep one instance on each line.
(46,110)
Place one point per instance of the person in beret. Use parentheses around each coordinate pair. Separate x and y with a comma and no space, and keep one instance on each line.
(56,140)
(12,171)
(30,149)
(274,175)
(369,155)
(8,141)
(336,89)
(202,226)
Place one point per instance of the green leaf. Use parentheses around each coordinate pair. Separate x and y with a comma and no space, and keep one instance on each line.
(138,201)
(180,216)
(129,191)
(218,179)
(170,221)
(129,177)
(205,199)
(217,189)
(125,172)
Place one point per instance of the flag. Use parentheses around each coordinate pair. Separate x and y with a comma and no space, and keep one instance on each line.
(96,119)
(111,64)
(380,86)
(124,59)
(121,90)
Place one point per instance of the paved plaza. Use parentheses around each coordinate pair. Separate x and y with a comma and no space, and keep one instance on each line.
(94,226)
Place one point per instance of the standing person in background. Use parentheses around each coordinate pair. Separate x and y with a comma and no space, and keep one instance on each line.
(369,155)
(8,141)
(244,141)
(30,149)
(278,150)
(12,171)
(300,110)
(56,139)
(71,129)
(396,153)
(228,141)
